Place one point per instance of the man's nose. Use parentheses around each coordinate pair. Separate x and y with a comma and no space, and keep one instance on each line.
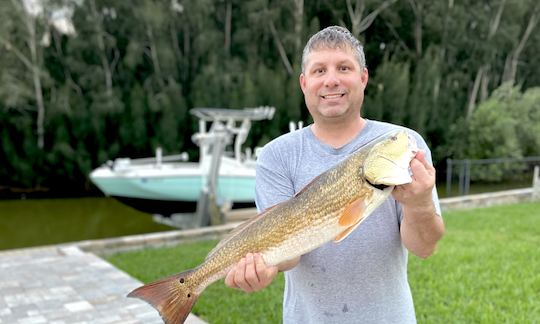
(331,79)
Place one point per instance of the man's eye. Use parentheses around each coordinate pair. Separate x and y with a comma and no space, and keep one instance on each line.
(318,71)
(344,68)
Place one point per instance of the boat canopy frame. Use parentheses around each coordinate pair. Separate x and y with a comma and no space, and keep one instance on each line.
(235,122)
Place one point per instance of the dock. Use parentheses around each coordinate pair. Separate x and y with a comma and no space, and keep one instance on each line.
(64,284)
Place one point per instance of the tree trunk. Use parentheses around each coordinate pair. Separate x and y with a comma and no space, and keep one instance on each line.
(281,49)
(444,36)
(484,86)
(39,94)
(154,56)
(481,82)
(36,78)
(474,91)
(494,26)
(356,15)
(186,72)
(175,43)
(417,9)
(102,49)
(33,64)
(510,68)
(228,23)
(298,23)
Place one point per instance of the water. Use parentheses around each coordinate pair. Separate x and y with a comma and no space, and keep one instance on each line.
(26,223)
(35,222)
(483,187)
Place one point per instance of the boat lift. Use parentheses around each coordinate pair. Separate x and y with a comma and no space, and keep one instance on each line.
(217,128)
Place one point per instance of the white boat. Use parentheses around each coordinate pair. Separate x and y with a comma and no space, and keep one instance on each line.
(167,185)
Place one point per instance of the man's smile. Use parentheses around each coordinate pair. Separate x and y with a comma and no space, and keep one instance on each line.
(333,96)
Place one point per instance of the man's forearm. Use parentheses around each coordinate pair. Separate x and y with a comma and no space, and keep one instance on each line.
(421,229)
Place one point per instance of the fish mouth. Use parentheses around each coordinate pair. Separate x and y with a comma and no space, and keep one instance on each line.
(377,186)
(405,169)
(391,165)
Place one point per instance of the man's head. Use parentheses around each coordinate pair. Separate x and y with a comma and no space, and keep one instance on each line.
(334,77)
(334,37)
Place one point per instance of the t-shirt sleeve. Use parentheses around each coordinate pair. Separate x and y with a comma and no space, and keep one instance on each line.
(272,181)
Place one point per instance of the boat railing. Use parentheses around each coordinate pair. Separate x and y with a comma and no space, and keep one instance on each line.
(124,163)
(212,120)
(224,114)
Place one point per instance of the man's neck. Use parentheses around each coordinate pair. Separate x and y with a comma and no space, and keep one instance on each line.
(338,134)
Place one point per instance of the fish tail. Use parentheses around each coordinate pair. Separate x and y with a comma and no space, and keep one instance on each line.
(172,297)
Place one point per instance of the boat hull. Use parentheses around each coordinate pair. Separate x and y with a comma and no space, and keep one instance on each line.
(174,188)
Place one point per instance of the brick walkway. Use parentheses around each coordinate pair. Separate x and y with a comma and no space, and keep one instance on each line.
(66,285)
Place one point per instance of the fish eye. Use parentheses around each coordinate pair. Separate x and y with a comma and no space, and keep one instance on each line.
(394,138)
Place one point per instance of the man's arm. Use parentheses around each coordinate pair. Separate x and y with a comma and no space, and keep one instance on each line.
(421,227)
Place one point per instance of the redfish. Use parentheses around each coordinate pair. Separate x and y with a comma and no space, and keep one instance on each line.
(329,208)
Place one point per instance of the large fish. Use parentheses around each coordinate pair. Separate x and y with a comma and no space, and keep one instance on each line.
(329,208)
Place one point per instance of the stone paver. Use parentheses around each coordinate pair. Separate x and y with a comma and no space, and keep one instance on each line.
(66,285)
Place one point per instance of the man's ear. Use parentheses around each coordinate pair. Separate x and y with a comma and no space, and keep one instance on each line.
(302,80)
(365,77)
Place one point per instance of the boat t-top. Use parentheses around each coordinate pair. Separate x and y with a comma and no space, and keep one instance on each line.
(167,185)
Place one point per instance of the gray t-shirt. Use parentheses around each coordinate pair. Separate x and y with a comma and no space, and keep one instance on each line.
(362,279)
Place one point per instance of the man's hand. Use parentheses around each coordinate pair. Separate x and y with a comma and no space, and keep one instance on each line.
(251,274)
(417,194)
(421,228)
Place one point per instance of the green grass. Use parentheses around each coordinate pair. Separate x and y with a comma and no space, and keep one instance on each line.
(486,270)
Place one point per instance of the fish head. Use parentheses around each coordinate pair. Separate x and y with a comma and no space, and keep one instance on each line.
(387,162)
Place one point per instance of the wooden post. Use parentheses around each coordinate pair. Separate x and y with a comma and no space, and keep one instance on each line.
(536,183)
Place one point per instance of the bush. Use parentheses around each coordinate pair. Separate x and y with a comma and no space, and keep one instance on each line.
(505,125)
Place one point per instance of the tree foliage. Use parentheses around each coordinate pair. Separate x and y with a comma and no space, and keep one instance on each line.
(507,124)
(82,82)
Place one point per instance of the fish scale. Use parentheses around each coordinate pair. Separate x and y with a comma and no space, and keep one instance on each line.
(331,206)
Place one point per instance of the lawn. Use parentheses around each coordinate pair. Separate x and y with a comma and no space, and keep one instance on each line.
(486,270)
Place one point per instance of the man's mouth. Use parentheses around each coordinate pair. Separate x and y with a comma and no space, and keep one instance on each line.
(333,96)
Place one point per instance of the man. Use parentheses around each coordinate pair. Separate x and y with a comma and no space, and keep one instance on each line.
(362,279)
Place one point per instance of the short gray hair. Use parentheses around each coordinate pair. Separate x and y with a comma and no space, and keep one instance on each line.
(334,37)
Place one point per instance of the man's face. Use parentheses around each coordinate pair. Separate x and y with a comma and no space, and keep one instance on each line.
(333,84)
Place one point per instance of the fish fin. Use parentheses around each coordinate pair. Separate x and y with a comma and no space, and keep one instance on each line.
(171,297)
(237,230)
(341,236)
(353,213)
(351,218)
